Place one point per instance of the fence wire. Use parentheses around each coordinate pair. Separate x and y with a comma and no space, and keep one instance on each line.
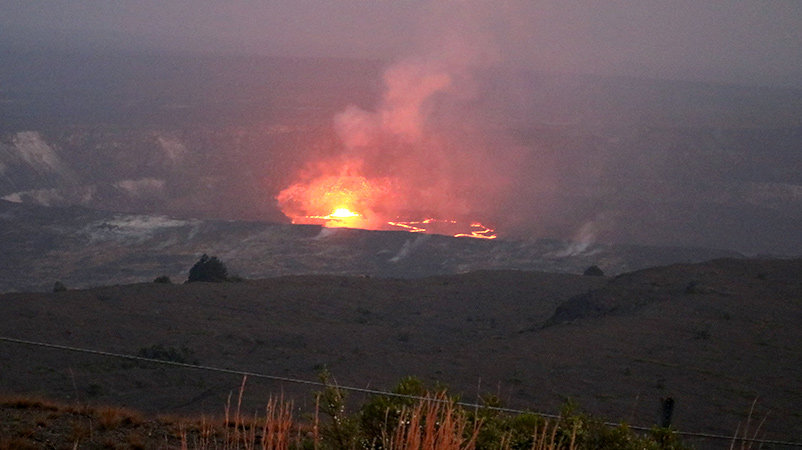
(369,391)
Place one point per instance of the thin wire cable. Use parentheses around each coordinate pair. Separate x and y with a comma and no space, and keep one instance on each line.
(366,390)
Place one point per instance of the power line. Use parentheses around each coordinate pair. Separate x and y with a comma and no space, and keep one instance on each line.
(365,390)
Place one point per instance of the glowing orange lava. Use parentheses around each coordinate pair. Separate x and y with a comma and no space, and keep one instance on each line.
(344,199)
(342,213)
(347,199)
(480,232)
(444,226)
(340,218)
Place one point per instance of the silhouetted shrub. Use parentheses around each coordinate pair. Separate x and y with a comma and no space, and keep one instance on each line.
(59,287)
(209,269)
(164,279)
(594,271)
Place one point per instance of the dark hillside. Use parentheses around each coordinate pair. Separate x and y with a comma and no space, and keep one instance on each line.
(368,331)
(714,336)
(720,279)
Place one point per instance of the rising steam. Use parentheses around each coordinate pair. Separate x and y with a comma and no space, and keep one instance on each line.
(420,153)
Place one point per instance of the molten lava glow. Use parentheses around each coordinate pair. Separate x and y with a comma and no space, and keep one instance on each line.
(477,231)
(341,217)
(480,232)
(342,213)
(412,227)
(344,199)
(350,200)
(411,157)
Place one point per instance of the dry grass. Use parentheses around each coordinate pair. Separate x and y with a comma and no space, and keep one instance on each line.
(110,418)
(237,431)
(33,422)
(136,441)
(433,424)
(745,438)
(28,401)
(546,439)
(80,431)
(436,424)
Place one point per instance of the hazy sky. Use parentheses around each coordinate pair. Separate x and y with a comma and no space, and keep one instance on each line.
(744,41)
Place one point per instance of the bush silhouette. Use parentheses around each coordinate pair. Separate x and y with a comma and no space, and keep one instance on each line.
(594,271)
(209,269)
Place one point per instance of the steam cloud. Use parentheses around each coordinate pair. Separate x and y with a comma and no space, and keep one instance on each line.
(142,188)
(584,239)
(409,246)
(421,151)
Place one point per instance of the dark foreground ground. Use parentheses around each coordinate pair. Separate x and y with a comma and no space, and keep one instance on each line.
(714,336)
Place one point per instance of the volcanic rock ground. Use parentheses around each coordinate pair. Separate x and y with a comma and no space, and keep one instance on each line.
(714,336)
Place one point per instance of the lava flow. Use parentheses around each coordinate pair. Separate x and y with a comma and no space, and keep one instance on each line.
(340,218)
(477,230)
(344,218)
(350,200)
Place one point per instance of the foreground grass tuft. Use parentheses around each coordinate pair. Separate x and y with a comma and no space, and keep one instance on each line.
(432,422)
